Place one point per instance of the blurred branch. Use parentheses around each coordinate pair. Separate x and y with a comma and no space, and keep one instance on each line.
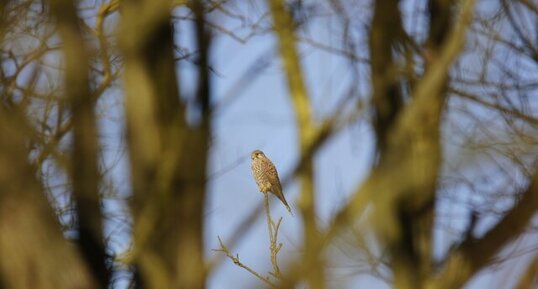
(412,119)
(156,125)
(84,168)
(532,6)
(386,33)
(313,269)
(108,76)
(30,236)
(507,111)
(412,147)
(168,154)
(473,254)
(349,54)
(520,30)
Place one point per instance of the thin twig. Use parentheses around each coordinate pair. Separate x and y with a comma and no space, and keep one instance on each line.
(273,234)
(236,261)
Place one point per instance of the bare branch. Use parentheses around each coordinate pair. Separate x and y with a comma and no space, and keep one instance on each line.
(236,261)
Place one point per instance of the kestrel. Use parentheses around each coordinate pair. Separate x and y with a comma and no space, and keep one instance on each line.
(266,176)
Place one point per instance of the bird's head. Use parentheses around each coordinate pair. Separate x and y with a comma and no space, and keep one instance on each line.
(257,154)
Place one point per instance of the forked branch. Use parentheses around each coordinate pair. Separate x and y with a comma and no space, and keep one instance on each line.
(236,261)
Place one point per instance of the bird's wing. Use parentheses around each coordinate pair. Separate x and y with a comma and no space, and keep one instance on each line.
(271,173)
(276,186)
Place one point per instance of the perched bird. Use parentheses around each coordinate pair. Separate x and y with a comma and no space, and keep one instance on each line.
(266,176)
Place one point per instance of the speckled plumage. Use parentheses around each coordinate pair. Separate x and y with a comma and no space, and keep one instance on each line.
(266,176)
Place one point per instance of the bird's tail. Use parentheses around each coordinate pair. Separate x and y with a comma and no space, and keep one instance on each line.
(278,193)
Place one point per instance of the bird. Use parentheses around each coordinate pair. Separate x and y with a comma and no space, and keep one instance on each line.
(266,176)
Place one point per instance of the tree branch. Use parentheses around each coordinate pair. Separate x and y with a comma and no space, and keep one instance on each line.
(473,254)
(284,29)
(84,169)
(236,261)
